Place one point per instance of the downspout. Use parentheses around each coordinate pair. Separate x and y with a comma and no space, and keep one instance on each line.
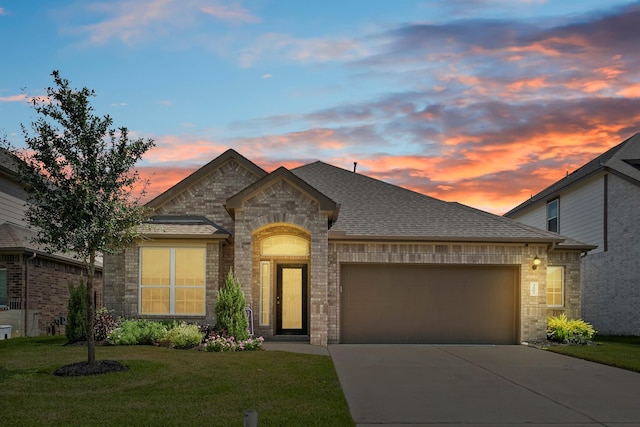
(26,293)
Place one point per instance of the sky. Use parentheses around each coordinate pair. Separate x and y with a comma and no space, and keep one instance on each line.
(482,102)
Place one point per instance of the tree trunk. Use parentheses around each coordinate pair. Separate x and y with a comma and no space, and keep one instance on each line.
(91,342)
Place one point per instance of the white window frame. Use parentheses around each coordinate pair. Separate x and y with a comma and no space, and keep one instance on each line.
(562,269)
(172,280)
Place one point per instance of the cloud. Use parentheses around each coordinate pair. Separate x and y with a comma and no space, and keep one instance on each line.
(3,11)
(486,112)
(231,13)
(283,47)
(136,21)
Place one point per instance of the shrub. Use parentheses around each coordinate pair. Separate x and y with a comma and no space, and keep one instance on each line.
(230,309)
(105,322)
(570,331)
(76,328)
(183,336)
(220,343)
(133,332)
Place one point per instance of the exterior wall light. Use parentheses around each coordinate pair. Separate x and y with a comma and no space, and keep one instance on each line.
(536,263)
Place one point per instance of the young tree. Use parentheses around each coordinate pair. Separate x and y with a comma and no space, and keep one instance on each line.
(78,173)
(230,309)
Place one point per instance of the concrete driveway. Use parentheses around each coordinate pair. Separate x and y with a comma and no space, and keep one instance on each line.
(482,385)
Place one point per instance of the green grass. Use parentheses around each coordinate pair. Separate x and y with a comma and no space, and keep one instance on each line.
(621,352)
(167,387)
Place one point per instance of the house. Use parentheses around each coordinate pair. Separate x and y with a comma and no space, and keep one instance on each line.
(330,255)
(599,203)
(34,285)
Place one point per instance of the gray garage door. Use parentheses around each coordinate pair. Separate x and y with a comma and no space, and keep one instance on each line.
(393,303)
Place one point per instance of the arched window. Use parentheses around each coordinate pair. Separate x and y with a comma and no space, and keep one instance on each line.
(284,245)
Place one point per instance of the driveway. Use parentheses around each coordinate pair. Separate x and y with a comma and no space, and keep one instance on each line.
(482,385)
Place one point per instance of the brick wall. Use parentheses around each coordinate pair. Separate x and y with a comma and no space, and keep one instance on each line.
(533,309)
(611,279)
(282,204)
(48,289)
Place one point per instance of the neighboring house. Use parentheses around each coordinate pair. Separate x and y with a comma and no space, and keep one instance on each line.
(34,285)
(331,255)
(599,204)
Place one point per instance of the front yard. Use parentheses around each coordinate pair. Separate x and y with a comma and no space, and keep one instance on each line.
(167,387)
(621,352)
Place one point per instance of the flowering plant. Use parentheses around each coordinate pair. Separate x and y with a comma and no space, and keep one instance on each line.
(219,343)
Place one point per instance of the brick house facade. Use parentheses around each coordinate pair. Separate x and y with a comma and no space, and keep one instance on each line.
(303,243)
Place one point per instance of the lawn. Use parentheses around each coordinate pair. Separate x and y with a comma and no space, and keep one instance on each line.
(621,352)
(167,387)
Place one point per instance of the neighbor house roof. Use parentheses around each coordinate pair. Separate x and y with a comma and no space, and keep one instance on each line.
(622,160)
(372,209)
(15,238)
(174,227)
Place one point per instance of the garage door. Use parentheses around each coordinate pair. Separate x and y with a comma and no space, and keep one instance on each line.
(394,303)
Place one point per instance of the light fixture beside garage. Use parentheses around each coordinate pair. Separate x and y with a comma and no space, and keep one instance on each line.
(536,263)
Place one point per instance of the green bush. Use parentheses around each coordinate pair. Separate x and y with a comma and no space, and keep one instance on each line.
(231,317)
(183,336)
(76,328)
(570,331)
(134,332)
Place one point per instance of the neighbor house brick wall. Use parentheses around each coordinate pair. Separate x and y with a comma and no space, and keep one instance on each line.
(281,203)
(611,279)
(48,289)
(533,309)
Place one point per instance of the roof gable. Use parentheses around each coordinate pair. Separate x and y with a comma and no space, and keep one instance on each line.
(203,172)
(622,160)
(325,203)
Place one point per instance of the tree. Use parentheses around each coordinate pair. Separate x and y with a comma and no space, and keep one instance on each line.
(230,309)
(79,176)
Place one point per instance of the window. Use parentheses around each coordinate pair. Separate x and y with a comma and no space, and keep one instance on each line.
(284,245)
(172,281)
(265,292)
(552,216)
(3,288)
(555,286)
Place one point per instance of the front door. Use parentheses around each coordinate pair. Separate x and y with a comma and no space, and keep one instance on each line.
(291,300)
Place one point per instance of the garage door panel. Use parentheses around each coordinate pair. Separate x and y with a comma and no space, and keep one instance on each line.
(428,304)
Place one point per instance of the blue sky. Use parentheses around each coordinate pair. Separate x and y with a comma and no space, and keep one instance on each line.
(483,102)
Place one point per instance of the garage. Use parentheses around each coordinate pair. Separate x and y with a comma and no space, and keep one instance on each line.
(428,304)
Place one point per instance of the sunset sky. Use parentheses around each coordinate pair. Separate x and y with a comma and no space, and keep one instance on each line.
(483,102)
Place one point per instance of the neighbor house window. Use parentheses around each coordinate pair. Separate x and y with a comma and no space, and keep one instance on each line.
(555,286)
(552,216)
(3,288)
(172,281)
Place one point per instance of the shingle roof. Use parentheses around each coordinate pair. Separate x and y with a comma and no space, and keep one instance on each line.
(619,160)
(181,227)
(17,238)
(373,209)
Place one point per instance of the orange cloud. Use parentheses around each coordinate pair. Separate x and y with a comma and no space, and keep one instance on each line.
(632,91)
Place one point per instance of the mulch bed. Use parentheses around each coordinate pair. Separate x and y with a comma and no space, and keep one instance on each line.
(98,367)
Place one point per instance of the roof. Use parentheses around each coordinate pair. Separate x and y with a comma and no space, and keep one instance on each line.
(622,160)
(205,171)
(14,237)
(325,203)
(175,227)
(372,209)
